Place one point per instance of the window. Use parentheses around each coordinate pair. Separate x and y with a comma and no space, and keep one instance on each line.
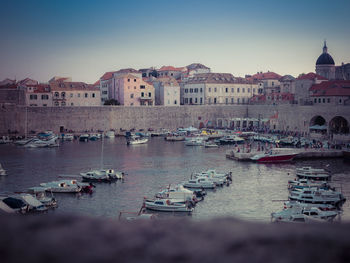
(131,95)
(104,92)
(190,100)
(142,87)
(232,100)
(195,90)
(44,97)
(93,95)
(319,100)
(226,100)
(33,97)
(175,102)
(226,89)
(57,94)
(248,90)
(86,95)
(44,105)
(243,100)
(186,90)
(150,103)
(201,100)
(209,89)
(328,100)
(63,94)
(78,95)
(63,103)
(272,83)
(56,103)
(134,80)
(243,90)
(72,104)
(214,100)
(237,100)
(132,104)
(237,90)
(201,90)
(340,101)
(142,94)
(232,90)
(315,100)
(253,90)
(323,100)
(214,89)
(186,100)
(191,90)
(134,87)
(195,100)
(149,94)
(128,80)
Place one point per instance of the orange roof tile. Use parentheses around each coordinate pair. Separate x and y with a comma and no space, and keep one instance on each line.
(311,76)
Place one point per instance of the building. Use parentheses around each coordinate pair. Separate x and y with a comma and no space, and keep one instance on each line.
(273,98)
(167,91)
(107,86)
(170,71)
(325,66)
(287,84)
(132,90)
(302,85)
(218,88)
(342,72)
(197,68)
(68,93)
(38,95)
(335,92)
(269,82)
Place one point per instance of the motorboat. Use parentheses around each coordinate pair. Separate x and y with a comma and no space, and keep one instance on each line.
(317,196)
(166,205)
(40,143)
(313,174)
(231,139)
(174,138)
(314,212)
(271,157)
(24,141)
(178,194)
(200,182)
(10,204)
(2,170)
(307,183)
(40,194)
(136,140)
(196,141)
(5,139)
(94,136)
(219,181)
(102,175)
(324,207)
(62,186)
(210,145)
(33,204)
(84,137)
(110,134)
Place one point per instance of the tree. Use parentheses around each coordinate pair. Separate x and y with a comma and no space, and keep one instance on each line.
(111,102)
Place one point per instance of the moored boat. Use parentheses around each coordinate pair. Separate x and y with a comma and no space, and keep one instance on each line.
(166,205)
(84,137)
(136,140)
(201,182)
(2,170)
(317,196)
(273,157)
(316,174)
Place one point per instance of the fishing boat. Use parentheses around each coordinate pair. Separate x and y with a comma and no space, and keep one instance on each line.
(62,186)
(178,194)
(201,182)
(2,170)
(166,205)
(317,196)
(272,157)
(136,140)
(307,183)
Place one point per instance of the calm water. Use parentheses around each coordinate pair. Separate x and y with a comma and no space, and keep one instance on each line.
(253,195)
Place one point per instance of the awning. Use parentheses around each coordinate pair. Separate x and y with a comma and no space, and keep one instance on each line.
(318,127)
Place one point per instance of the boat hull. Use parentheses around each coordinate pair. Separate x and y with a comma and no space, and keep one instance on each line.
(276,158)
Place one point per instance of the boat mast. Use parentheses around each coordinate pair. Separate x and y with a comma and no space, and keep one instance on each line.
(26,123)
(102,153)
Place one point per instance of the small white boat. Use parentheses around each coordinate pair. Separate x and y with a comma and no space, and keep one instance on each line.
(33,204)
(136,140)
(12,204)
(313,174)
(40,143)
(24,141)
(210,145)
(201,182)
(197,141)
(314,212)
(102,175)
(40,194)
(323,207)
(5,139)
(63,186)
(306,183)
(110,134)
(174,138)
(178,194)
(317,196)
(231,139)
(67,137)
(2,170)
(166,205)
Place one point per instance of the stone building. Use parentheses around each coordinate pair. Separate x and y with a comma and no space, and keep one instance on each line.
(302,85)
(325,66)
(218,88)
(269,82)
(38,95)
(67,93)
(107,86)
(170,71)
(167,91)
(342,72)
(335,92)
(132,90)
(287,84)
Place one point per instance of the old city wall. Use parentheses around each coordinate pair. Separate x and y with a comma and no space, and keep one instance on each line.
(78,119)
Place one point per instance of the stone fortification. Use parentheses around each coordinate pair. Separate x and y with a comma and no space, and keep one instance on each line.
(55,238)
(79,119)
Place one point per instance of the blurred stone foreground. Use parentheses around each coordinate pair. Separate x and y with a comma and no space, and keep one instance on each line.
(52,238)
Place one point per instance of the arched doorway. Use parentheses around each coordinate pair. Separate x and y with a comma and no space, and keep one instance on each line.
(318,125)
(339,125)
(317,120)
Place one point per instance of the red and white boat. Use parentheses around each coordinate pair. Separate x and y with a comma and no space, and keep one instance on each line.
(272,157)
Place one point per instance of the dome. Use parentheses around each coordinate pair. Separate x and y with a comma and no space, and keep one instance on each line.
(325,59)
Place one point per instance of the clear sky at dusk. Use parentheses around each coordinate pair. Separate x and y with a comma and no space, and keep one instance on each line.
(84,39)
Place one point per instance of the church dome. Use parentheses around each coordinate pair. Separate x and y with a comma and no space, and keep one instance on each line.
(325,58)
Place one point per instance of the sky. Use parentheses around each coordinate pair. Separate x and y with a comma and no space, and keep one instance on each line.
(84,39)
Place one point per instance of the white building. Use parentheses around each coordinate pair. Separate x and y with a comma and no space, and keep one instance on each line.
(167,91)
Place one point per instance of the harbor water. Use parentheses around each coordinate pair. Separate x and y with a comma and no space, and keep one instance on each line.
(257,190)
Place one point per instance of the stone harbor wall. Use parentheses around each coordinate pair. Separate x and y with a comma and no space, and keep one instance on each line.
(54,238)
(79,119)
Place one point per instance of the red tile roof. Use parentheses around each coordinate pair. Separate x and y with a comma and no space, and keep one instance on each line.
(331,88)
(97,83)
(170,68)
(266,75)
(311,76)
(107,75)
(40,88)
